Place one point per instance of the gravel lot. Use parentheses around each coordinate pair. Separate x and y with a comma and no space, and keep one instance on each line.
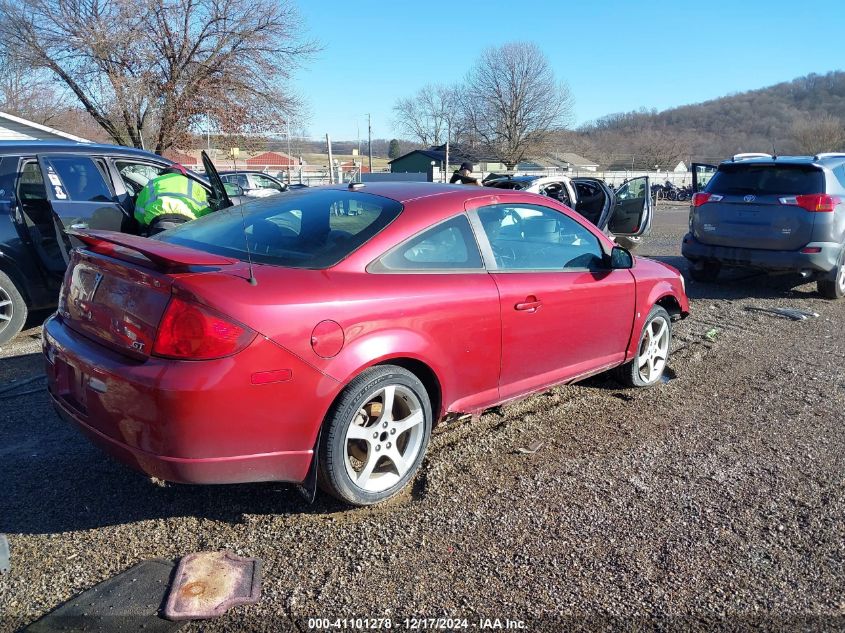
(715,498)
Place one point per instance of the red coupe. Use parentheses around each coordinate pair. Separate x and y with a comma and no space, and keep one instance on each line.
(318,335)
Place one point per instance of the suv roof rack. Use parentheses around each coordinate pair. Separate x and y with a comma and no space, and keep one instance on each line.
(746,155)
(829,155)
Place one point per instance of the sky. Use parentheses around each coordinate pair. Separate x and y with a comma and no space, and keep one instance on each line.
(616,56)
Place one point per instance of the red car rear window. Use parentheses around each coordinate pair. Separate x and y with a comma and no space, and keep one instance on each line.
(312,228)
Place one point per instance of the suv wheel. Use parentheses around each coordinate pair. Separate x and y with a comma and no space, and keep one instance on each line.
(834,288)
(705,271)
(12,309)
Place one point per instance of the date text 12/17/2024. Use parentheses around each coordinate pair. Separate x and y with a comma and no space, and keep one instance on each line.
(415,624)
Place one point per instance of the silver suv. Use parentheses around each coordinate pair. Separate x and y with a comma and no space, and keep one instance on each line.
(775,213)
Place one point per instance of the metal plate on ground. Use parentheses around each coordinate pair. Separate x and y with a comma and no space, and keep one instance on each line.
(207,584)
(130,601)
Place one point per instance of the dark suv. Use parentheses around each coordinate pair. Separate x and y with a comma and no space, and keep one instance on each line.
(780,214)
(46,187)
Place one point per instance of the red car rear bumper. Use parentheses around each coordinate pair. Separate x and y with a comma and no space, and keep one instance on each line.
(282,466)
(202,422)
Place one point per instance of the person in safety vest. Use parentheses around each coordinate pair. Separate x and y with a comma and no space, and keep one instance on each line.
(170,199)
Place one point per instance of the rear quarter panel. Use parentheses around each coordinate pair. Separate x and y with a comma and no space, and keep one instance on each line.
(451,323)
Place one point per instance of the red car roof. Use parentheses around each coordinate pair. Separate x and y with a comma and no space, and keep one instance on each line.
(404,191)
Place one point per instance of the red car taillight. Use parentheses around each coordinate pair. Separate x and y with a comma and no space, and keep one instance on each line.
(190,331)
(816,202)
(703,198)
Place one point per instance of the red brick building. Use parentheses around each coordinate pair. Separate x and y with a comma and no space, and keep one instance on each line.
(271,161)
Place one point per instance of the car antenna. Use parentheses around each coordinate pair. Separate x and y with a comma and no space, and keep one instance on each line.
(774,152)
(252,280)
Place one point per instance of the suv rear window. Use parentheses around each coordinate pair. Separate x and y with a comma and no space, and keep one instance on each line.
(305,229)
(767,179)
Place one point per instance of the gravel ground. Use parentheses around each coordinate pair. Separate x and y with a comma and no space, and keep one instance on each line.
(715,499)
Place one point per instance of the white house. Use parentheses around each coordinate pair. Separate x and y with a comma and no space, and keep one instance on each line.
(575,162)
(13,128)
(562,161)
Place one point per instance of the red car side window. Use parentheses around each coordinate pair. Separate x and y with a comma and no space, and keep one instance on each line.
(531,237)
(449,245)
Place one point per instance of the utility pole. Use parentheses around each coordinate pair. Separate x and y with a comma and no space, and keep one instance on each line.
(331,161)
(370,140)
(290,158)
(448,135)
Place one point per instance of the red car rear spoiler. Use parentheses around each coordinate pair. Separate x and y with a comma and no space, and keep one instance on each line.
(164,256)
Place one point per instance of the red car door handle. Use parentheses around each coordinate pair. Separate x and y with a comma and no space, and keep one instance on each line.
(531,304)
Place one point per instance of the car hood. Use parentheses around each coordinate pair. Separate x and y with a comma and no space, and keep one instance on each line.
(656,266)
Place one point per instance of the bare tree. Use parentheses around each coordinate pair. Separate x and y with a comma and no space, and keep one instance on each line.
(149,70)
(637,139)
(822,133)
(427,116)
(652,146)
(26,92)
(512,103)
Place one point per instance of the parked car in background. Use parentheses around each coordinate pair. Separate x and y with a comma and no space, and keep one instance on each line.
(47,187)
(624,214)
(255,184)
(778,214)
(288,342)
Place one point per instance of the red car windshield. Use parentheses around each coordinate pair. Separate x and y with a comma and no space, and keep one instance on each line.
(314,228)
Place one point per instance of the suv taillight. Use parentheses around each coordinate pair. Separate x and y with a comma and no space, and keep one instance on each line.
(703,198)
(816,202)
(190,331)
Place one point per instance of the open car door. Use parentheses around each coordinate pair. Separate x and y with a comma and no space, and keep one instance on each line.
(79,197)
(632,210)
(593,200)
(701,175)
(220,196)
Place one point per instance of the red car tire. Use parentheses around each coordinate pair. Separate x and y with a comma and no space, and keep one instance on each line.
(646,368)
(375,436)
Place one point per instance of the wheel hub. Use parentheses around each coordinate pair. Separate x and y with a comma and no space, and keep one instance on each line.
(654,350)
(384,439)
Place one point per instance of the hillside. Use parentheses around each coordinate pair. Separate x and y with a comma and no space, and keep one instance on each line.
(755,120)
